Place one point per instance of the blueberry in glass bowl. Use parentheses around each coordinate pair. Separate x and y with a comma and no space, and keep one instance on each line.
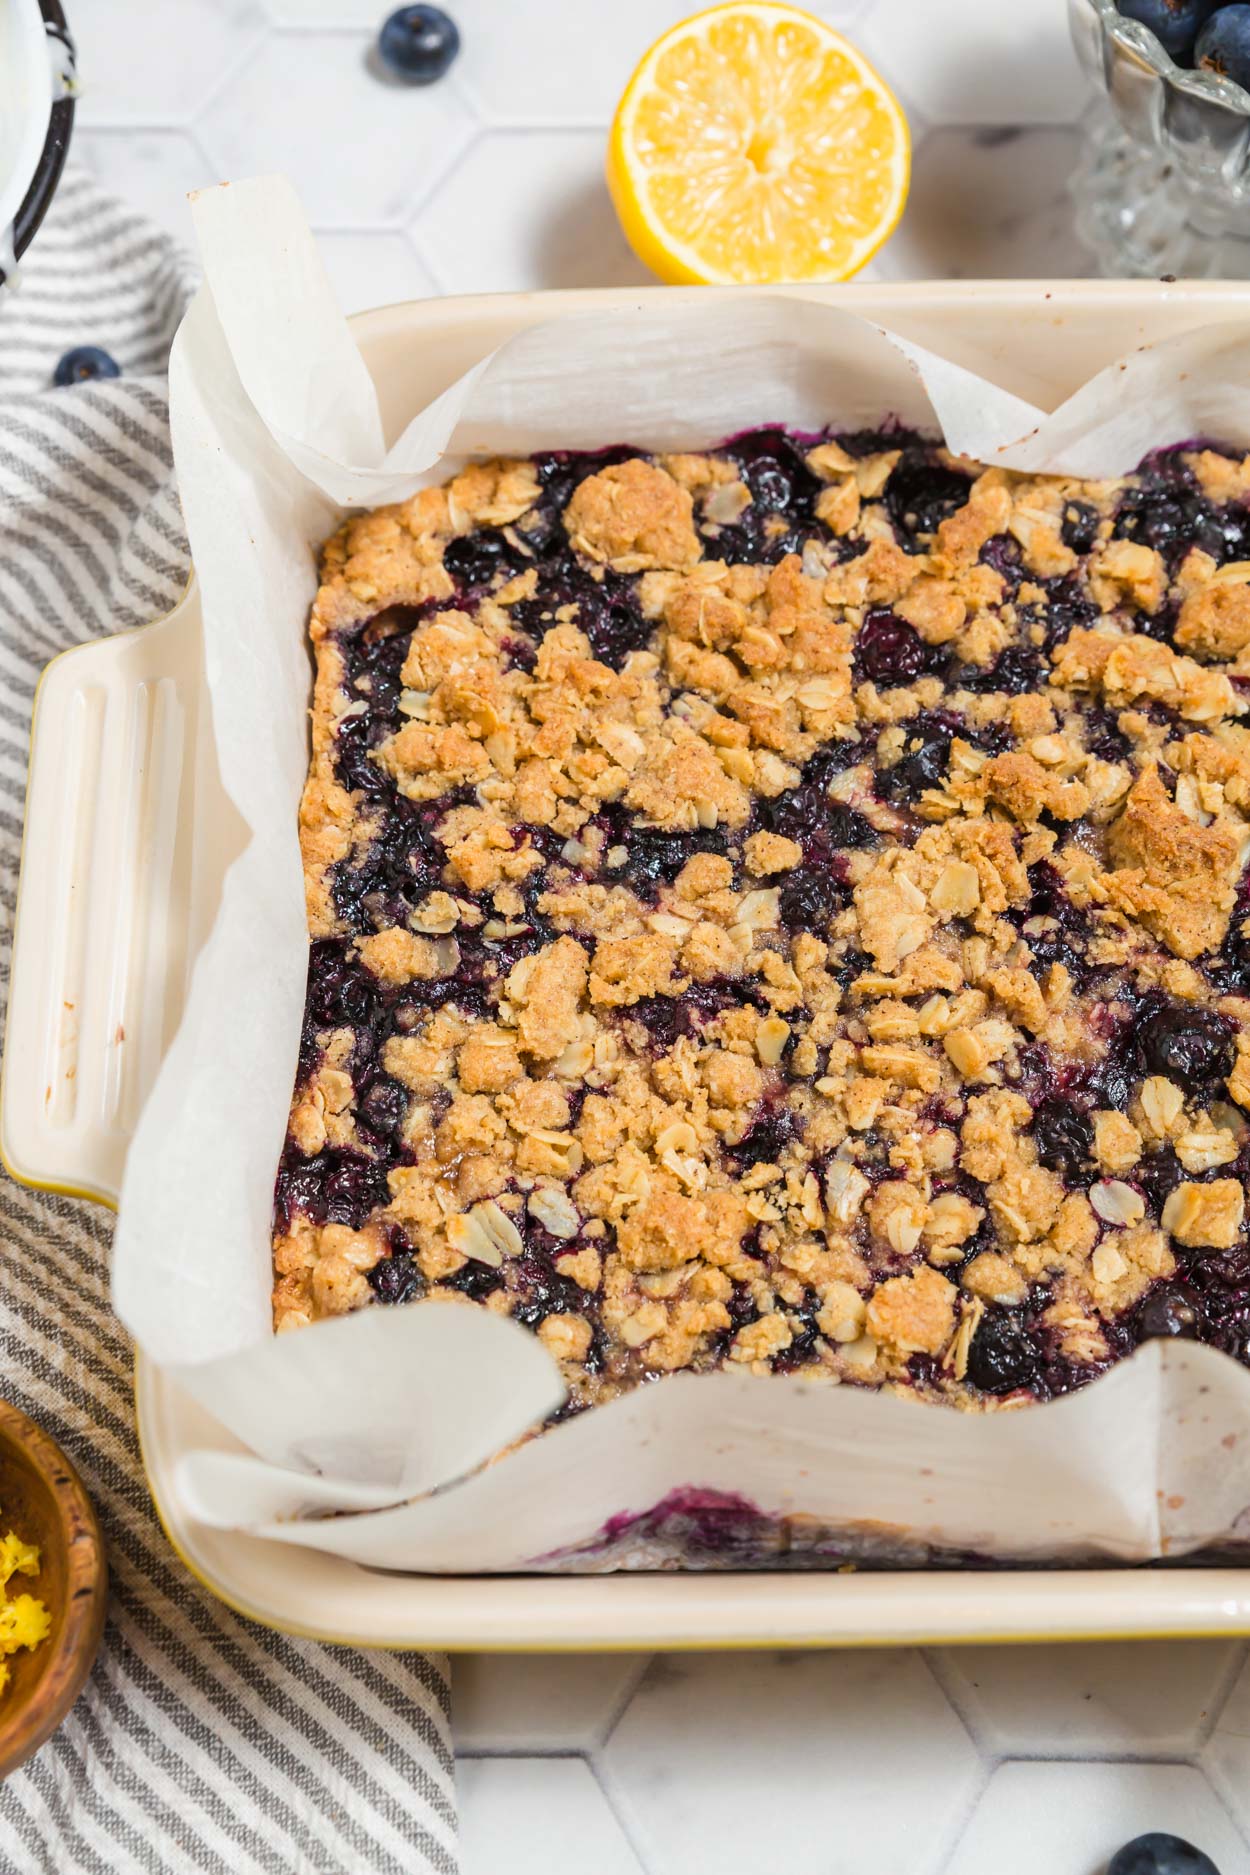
(1174,23)
(1164,186)
(1223,45)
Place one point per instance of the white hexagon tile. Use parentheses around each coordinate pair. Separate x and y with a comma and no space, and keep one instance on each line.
(954,1762)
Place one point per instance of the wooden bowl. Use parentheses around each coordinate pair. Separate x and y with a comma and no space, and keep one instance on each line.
(42,1499)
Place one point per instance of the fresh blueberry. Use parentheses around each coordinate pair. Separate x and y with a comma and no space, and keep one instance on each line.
(1174,23)
(418,43)
(87,362)
(1224,45)
(1158,1853)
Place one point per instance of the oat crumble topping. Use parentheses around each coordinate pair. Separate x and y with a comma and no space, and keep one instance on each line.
(784,906)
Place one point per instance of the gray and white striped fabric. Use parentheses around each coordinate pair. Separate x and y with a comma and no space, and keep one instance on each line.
(202,1743)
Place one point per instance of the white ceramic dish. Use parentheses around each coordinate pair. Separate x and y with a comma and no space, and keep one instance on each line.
(128,835)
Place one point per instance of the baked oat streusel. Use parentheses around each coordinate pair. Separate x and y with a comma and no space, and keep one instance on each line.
(783,906)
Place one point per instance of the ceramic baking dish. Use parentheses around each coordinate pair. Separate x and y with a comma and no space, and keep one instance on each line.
(128,836)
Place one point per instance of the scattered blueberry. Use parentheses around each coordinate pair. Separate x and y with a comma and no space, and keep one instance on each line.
(84,364)
(1224,45)
(1174,23)
(418,43)
(1158,1853)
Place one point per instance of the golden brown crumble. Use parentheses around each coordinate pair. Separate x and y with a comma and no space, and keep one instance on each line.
(782,909)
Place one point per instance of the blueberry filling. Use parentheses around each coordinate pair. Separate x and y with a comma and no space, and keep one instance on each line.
(331,1187)
(781,516)
(1187,1044)
(1168,1311)
(1079,527)
(1017,671)
(652,856)
(810,898)
(921,494)
(772,1130)
(667,1018)
(476,561)
(475,1280)
(924,767)
(1167,512)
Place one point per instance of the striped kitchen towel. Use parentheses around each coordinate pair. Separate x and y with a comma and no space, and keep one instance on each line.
(202,1743)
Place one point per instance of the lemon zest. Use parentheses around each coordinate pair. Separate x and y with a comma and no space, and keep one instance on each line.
(24,1620)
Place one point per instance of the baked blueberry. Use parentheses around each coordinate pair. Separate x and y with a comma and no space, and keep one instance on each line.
(1079,527)
(1001,1357)
(1190,1045)
(810,898)
(889,651)
(418,43)
(1168,1312)
(477,559)
(921,494)
(396,1278)
(1064,1136)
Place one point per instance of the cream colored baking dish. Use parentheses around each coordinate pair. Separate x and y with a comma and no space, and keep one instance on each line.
(128,835)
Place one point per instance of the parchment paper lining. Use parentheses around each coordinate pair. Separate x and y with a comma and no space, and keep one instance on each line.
(392,1414)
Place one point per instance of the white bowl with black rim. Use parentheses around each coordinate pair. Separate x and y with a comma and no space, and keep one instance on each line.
(36,113)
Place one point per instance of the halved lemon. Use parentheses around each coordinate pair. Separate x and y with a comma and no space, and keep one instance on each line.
(753,143)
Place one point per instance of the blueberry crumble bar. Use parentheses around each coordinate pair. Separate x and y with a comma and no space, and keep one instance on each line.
(784,907)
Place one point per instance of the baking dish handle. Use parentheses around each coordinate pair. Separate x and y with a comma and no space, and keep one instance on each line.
(127,837)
